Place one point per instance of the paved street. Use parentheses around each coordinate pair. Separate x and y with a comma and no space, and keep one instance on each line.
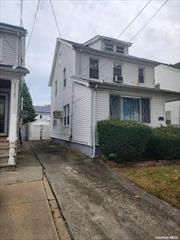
(99,205)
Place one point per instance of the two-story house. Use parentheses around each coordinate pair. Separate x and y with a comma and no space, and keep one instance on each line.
(99,80)
(168,77)
(12,72)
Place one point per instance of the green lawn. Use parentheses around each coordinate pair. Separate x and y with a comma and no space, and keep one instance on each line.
(161,181)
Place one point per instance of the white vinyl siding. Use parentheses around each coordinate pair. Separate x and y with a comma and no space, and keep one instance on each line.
(82,114)
(129,70)
(9,50)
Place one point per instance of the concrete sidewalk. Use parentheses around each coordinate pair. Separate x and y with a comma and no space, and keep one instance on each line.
(28,209)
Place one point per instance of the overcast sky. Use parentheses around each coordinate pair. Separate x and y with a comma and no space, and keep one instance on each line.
(81,20)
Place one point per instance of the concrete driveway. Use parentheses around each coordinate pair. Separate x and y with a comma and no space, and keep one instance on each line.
(99,205)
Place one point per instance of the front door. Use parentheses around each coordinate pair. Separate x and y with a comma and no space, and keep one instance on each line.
(2,114)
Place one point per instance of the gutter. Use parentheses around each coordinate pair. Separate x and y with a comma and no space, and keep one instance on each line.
(94,124)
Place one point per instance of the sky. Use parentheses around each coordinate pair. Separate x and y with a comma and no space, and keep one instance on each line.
(81,20)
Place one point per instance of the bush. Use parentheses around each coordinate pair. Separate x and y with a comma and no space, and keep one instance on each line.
(164,144)
(122,141)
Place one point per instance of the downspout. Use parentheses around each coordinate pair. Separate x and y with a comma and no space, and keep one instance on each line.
(94,124)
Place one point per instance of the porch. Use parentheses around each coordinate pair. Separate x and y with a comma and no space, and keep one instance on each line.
(10,80)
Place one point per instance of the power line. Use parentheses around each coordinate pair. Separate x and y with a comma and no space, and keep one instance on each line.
(34,21)
(59,33)
(149,20)
(124,30)
(55,19)
(21,12)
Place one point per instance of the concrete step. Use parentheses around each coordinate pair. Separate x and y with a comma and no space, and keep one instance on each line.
(4,154)
(3,139)
(4,161)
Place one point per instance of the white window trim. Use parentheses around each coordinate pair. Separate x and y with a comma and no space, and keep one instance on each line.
(97,59)
(66,116)
(144,74)
(1,48)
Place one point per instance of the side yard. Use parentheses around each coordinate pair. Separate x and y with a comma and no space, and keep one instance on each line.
(162,181)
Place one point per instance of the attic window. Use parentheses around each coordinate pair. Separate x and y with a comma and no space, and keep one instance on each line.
(119,49)
(108,46)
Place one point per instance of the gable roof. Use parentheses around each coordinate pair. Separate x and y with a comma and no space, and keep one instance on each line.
(131,58)
(43,109)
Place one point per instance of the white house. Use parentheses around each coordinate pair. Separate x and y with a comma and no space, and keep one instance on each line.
(168,77)
(40,128)
(12,72)
(98,80)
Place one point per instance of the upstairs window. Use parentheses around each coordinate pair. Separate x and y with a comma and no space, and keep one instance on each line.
(66,114)
(64,77)
(119,49)
(108,46)
(94,69)
(117,73)
(141,75)
(55,88)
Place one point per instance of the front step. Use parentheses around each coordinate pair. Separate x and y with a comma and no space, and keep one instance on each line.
(4,150)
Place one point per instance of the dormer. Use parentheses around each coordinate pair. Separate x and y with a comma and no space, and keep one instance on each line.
(108,44)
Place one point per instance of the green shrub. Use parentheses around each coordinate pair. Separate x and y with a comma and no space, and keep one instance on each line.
(122,141)
(164,144)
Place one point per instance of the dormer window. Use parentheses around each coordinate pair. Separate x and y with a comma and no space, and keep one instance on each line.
(108,46)
(119,49)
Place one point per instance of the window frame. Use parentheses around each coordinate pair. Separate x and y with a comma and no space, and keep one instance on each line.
(118,47)
(55,88)
(140,108)
(106,48)
(66,115)
(120,64)
(91,69)
(64,78)
(139,75)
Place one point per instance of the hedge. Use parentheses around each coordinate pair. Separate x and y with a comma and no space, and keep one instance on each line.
(164,144)
(122,141)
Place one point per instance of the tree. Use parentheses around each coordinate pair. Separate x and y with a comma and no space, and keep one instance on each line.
(28,113)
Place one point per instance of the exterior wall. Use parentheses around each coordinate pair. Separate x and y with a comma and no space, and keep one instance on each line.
(81,117)
(174,109)
(65,59)
(129,70)
(12,49)
(45,117)
(103,106)
(169,78)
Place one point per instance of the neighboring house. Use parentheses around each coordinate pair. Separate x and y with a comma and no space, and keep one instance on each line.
(40,129)
(99,80)
(43,112)
(12,73)
(168,77)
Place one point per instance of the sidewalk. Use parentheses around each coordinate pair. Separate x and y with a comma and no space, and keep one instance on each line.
(28,209)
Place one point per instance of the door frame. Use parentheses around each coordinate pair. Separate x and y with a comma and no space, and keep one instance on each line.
(6,114)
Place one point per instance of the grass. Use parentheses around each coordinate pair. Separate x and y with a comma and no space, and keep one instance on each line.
(161,181)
